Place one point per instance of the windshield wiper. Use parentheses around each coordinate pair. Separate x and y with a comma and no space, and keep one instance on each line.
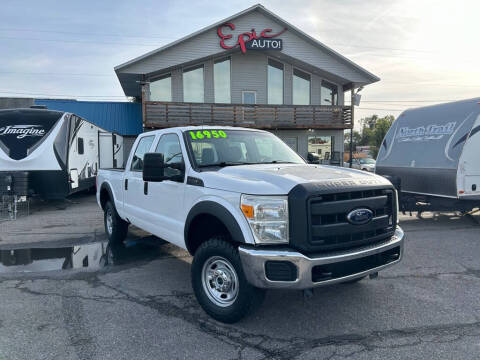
(225,163)
(277,162)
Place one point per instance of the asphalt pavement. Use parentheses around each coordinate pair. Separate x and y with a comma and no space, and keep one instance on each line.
(427,307)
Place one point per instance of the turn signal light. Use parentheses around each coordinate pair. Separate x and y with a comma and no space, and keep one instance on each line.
(247,211)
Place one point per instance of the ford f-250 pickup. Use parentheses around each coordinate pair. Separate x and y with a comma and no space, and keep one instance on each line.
(252,212)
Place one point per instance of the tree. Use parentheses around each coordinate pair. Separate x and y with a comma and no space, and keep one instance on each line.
(373,131)
(381,128)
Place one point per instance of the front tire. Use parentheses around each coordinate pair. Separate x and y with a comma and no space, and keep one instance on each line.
(219,282)
(115,227)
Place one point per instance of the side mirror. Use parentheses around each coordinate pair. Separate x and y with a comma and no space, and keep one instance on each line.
(153,167)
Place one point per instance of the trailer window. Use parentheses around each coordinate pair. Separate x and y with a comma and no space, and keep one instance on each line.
(142,148)
(80,146)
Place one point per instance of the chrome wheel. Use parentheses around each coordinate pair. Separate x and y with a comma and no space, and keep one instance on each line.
(109,221)
(220,281)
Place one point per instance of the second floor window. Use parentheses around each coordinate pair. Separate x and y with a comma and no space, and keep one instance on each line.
(301,88)
(161,89)
(221,78)
(275,82)
(193,85)
(329,94)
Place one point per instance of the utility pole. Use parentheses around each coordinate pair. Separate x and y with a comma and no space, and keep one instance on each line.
(352,104)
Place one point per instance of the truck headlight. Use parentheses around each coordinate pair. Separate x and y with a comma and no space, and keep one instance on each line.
(267,217)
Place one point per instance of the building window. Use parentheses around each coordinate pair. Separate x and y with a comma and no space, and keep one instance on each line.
(275,82)
(249,97)
(320,148)
(292,142)
(161,89)
(329,94)
(221,78)
(193,85)
(301,88)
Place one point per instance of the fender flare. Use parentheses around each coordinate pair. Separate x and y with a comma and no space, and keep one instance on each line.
(105,186)
(221,213)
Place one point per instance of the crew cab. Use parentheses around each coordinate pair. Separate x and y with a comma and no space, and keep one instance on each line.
(252,213)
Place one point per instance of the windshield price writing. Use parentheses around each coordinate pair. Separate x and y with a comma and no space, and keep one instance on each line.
(207,134)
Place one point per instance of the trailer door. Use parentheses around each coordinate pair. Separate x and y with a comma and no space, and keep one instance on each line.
(105,150)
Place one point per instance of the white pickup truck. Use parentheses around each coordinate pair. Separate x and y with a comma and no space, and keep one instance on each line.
(252,212)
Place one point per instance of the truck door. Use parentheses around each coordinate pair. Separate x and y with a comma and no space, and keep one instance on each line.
(163,200)
(133,205)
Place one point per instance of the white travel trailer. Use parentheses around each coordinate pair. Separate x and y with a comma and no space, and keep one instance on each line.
(432,155)
(49,153)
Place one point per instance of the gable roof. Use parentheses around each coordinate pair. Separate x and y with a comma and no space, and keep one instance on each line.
(123,73)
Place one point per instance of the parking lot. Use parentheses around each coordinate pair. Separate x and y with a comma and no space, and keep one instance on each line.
(141,305)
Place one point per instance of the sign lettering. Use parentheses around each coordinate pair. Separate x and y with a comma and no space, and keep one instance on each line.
(22,131)
(244,40)
(430,132)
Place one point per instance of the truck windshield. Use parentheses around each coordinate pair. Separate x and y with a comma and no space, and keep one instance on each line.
(217,147)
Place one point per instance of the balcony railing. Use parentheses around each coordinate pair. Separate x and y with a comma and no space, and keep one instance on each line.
(170,114)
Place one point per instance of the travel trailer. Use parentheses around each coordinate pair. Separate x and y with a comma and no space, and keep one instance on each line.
(431,154)
(51,154)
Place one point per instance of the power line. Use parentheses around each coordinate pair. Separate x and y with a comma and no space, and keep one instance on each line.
(410,101)
(52,74)
(364,108)
(156,37)
(87,33)
(3,91)
(76,41)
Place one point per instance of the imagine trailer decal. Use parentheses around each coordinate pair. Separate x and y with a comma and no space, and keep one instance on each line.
(425,133)
(22,131)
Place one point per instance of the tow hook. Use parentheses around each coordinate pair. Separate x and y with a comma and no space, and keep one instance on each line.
(308,293)
(373,275)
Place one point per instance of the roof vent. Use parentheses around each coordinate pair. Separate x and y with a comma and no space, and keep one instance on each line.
(38,107)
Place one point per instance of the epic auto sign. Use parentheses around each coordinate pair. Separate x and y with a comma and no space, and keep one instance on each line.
(250,40)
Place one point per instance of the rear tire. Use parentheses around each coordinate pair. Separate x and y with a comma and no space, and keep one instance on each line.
(219,282)
(115,227)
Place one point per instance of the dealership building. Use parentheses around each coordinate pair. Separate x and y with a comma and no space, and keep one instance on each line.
(254,70)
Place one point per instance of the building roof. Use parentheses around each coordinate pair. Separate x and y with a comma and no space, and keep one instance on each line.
(123,118)
(130,72)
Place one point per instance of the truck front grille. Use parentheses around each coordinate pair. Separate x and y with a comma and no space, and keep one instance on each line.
(328,225)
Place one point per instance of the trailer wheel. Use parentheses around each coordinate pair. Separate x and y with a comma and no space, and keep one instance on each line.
(115,227)
(219,283)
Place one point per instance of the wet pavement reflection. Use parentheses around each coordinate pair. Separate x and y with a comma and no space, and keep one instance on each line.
(95,255)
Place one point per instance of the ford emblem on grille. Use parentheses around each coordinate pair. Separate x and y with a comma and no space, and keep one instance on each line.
(360,216)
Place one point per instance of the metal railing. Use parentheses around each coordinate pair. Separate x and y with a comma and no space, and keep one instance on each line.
(170,114)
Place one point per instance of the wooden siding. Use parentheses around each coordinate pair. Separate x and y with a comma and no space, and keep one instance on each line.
(169,114)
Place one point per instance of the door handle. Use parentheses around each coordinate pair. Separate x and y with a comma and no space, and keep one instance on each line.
(145,187)
(126,184)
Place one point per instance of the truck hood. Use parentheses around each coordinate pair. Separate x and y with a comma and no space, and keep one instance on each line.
(275,179)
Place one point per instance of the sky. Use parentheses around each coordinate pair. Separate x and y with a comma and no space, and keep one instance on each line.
(425,52)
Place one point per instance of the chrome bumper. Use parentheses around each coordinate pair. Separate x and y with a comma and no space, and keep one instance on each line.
(254,259)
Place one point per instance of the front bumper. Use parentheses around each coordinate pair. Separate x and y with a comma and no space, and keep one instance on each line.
(324,269)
